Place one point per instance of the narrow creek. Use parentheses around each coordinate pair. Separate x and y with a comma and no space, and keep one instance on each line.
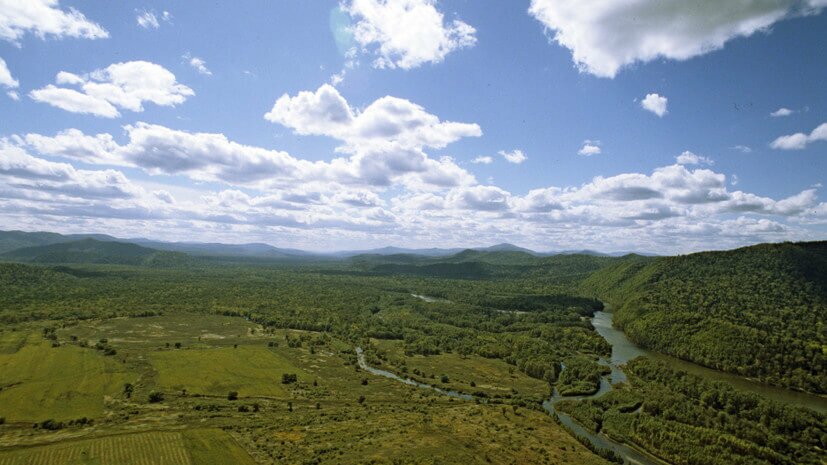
(360,357)
(624,350)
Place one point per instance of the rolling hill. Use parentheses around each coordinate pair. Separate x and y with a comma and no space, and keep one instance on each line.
(97,252)
(758,311)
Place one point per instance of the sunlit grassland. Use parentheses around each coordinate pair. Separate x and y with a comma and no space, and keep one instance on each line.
(43,382)
(248,370)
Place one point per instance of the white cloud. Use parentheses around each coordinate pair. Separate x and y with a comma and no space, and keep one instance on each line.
(799,141)
(655,103)
(388,120)
(406,33)
(147,19)
(742,148)
(74,101)
(590,147)
(120,85)
(214,158)
(44,18)
(483,159)
(689,158)
(606,35)
(199,64)
(781,112)
(672,209)
(13,95)
(20,170)
(515,156)
(6,78)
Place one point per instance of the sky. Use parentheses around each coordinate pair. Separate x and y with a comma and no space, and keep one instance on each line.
(659,126)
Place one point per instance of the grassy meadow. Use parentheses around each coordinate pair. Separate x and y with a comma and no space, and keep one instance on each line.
(43,382)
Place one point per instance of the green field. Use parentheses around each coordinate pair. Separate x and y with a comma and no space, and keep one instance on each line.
(196,447)
(249,370)
(61,383)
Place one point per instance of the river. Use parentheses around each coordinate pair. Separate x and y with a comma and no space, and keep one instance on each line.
(624,350)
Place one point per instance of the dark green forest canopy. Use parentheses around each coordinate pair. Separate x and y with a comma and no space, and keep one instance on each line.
(759,311)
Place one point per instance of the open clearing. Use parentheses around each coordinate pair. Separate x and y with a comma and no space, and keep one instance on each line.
(249,370)
(43,382)
(188,329)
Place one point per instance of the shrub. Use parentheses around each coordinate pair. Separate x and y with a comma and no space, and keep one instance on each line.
(155,397)
(232,395)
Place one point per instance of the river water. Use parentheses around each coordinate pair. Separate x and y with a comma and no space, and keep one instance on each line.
(624,350)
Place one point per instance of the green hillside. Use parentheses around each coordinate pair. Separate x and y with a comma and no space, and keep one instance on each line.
(96,252)
(758,311)
(477,264)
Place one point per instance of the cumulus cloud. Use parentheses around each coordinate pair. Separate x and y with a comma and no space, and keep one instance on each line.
(515,156)
(606,35)
(23,171)
(6,78)
(590,147)
(483,159)
(673,208)
(800,140)
(406,33)
(388,120)
(689,158)
(45,18)
(212,157)
(781,112)
(742,148)
(655,103)
(120,85)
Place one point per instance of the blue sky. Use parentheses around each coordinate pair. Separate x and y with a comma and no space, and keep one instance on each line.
(553,124)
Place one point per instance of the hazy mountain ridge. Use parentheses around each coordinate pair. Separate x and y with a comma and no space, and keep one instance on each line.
(94,251)
(11,240)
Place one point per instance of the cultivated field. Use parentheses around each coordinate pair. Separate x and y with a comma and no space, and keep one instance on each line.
(208,447)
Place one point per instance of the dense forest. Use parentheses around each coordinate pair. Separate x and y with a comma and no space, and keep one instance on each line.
(687,420)
(760,311)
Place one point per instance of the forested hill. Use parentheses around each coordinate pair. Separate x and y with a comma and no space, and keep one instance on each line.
(97,252)
(475,264)
(758,311)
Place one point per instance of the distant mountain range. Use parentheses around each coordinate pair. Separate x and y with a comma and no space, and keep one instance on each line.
(89,250)
(15,240)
